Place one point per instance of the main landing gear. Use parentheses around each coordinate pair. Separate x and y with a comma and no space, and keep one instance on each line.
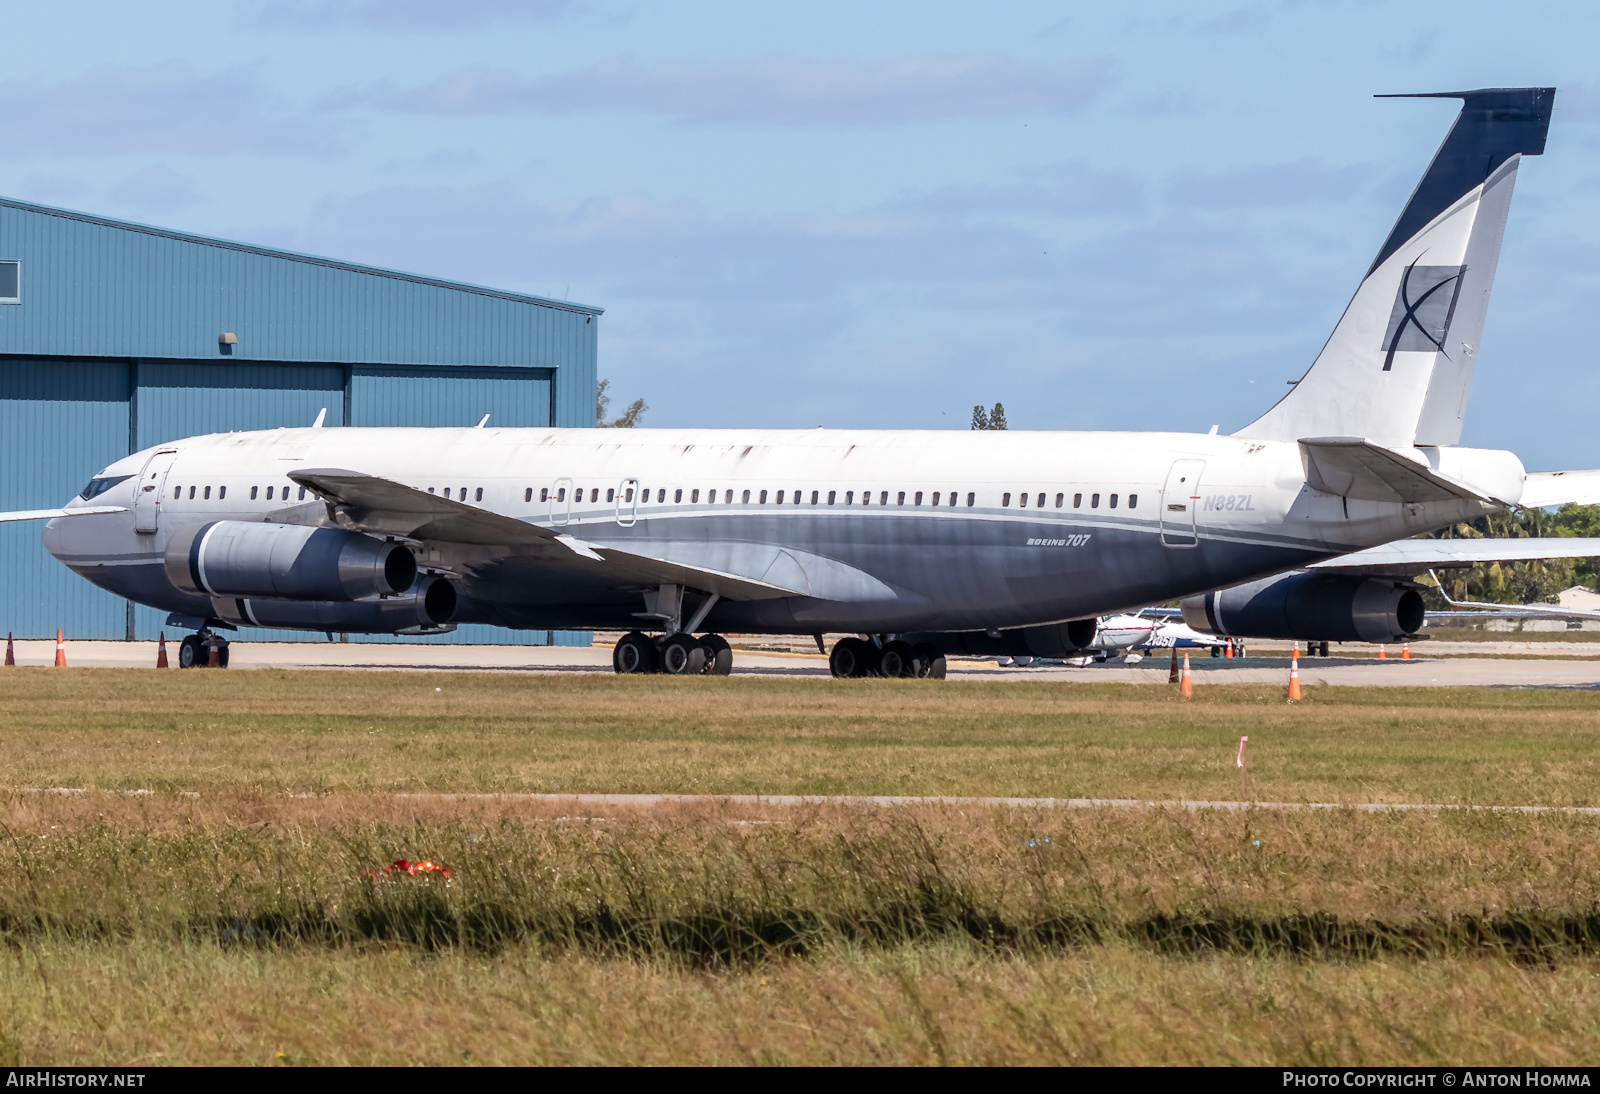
(856,657)
(194,652)
(675,654)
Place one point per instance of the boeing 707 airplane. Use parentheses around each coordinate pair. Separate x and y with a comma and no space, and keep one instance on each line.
(923,543)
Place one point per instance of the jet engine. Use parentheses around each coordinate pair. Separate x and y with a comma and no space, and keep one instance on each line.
(235,558)
(1053,640)
(426,608)
(1311,607)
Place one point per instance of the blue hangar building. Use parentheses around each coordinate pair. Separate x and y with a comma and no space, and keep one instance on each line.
(117,336)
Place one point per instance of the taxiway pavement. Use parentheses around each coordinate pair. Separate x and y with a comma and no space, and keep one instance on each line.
(1509,664)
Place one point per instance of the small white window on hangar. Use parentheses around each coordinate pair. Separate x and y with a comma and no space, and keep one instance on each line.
(10,282)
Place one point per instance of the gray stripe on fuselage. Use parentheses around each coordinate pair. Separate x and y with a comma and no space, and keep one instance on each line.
(957,570)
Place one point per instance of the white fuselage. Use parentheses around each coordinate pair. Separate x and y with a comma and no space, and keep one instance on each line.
(888,530)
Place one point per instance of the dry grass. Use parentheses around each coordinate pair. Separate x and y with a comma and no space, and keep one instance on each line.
(158,930)
(144,1003)
(328,732)
(243,923)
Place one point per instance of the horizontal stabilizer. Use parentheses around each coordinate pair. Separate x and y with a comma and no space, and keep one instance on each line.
(1353,467)
(1544,488)
(50,514)
(1410,556)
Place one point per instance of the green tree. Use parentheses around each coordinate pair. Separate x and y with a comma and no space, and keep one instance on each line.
(1539,581)
(997,417)
(602,405)
(980,418)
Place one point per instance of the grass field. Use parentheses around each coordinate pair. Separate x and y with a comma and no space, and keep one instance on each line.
(239,911)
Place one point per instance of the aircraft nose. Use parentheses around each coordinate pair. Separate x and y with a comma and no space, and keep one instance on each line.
(52,536)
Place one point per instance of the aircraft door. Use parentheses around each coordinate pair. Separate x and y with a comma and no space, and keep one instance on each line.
(561,501)
(627,503)
(147,496)
(1180,504)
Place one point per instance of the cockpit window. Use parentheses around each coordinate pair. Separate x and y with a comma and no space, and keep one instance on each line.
(97,487)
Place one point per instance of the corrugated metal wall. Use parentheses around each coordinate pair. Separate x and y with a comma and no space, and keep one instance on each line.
(61,422)
(110,309)
(183,399)
(97,288)
(459,397)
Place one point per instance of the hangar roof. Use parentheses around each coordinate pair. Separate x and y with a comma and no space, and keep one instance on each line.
(296,256)
(95,286)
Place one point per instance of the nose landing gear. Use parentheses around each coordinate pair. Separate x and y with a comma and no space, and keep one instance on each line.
(194,652)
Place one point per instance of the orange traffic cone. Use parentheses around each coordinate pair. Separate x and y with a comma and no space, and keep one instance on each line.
(1172,671)
(161,651)
(1294,675)
(1405,651)
(1381,655)
(1227,648)
(211,657)
(1186,681)
(61,651)
(11,651)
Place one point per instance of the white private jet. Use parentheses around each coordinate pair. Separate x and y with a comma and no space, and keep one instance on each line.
(926,542)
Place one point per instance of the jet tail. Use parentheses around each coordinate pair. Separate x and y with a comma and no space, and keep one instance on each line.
(1398,367)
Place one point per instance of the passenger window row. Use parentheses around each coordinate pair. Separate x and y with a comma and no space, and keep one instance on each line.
(203,493)
(780,497)
(747,497)
(1077,501)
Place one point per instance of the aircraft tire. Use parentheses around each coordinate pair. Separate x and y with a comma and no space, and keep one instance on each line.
(634,653)
(897,659)
(719,655)
(190,652)
(852,659)
(683,655)
(929,661)
(222,654)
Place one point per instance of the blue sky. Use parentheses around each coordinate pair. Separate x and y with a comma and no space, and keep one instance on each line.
(1106,216)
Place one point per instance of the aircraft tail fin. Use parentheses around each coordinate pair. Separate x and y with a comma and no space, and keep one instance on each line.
(1398,367)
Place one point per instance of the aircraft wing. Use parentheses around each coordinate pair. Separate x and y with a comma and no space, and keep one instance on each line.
(50,514)
(1542,488)
(1408,556)
(373,504)
(1353,467)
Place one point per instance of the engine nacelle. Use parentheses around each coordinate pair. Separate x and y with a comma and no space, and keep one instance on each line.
(426,608)
(1053,640)
(236,558)
(1311,607)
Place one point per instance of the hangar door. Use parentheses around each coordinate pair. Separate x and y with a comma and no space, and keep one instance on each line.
(179,399)
(512,397)
(449,397)
(62,420)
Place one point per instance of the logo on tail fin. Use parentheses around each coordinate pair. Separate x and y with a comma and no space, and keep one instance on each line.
(1422,323)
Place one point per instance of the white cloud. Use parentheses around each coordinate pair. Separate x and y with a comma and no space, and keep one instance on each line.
(160,108)
(158,188)
(1301,182)
(777,91)
(880,315)
(407,15)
